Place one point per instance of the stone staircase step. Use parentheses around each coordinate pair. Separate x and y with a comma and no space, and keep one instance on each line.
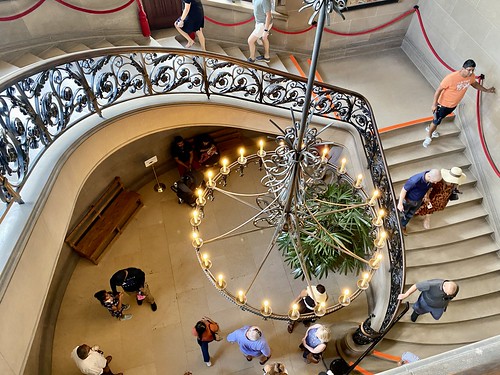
(51,52)
(277,64)
(102,44)
(235,52)
(401,173)
(289,65)
(446,333)
(215,47)
(124,43)
(447,235)
(460,269)
(471,287)
(71,47)
(164,33)
(401,138)
(449,216)
(6,68)
(25,60)
(439,147)
(451,252)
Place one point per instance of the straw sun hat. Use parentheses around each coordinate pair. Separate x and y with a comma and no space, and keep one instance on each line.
(453,175)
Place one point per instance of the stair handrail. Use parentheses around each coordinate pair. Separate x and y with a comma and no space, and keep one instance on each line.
(40,103)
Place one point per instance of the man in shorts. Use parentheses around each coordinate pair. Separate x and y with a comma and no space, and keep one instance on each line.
(449,93)
(263,24)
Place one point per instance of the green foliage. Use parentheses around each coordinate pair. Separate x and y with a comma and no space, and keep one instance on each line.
(349,229)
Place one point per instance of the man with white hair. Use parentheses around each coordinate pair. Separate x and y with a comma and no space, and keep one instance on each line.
(414,192)
(251,342)
(434,297)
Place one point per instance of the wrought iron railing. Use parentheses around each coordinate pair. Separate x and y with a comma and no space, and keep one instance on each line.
(40,104)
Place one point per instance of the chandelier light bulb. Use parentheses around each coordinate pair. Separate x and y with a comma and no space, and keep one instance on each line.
(206,262)
(324,157)
(241,299)
(374,197)
(197,241)
(225,169)
(195,220)
(242,159)
(363,281)
(261,153)
(200,201)
(221,283)
(320,309)
(342,165)
(357,185)
(380,241)
(210,176)
(378,221)
(266,309)
(294,314)
(344,299)
(375,261)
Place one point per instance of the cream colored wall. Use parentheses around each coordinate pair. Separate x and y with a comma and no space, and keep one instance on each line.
(459,30)
(53,22)
(291,20)
(23,302)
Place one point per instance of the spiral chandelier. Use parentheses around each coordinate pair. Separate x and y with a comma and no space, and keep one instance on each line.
(296,172)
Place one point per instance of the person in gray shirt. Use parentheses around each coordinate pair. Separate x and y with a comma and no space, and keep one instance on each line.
(434,297)
(263,23)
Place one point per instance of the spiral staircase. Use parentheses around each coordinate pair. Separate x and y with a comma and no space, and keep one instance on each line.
(459,246)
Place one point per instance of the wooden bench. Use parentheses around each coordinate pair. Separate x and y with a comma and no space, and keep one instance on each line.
(104,221)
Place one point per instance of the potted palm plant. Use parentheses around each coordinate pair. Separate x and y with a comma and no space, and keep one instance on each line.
(335,239)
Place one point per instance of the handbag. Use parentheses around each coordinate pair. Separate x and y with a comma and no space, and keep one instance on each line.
(454,194)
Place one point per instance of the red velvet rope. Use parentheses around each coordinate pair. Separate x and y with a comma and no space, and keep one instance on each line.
(429,42)
(480,130)
(229,24)
(384,25)
(292,32)
(74,7)
(22,14)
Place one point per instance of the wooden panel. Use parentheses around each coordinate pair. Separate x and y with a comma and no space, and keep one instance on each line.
(162,13)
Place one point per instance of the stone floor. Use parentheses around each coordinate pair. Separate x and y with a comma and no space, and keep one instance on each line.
(157,240)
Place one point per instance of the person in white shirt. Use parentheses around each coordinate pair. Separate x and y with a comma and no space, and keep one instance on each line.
(91,361)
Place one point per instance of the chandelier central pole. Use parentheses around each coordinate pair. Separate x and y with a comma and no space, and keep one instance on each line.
(307,107)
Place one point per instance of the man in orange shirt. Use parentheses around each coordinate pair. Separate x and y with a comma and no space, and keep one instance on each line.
(449,93)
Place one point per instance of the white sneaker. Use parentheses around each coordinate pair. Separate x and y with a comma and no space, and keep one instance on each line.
(208,363)
(435,133)
(126,317)
(427,142)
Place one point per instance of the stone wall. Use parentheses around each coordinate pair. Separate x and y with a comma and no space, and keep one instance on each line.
(460,30)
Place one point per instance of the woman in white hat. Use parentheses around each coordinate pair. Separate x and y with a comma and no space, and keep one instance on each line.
(440,193)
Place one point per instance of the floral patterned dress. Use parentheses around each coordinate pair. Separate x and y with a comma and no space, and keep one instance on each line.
(439,197)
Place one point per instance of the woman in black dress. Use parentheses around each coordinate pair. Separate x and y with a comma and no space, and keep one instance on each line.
(191,20)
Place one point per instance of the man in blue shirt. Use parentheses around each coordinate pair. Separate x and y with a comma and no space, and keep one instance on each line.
(251,342)
(414,191)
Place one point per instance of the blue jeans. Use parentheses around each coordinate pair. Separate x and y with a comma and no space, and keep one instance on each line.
(204,350)
(409,209)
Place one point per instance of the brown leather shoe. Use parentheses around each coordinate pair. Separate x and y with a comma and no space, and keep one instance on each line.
(249,358)
(405,232)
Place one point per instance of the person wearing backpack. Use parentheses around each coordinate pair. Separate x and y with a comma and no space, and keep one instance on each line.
(205,331)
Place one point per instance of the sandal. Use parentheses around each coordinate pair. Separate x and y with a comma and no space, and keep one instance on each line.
(264,361)
(249,358)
